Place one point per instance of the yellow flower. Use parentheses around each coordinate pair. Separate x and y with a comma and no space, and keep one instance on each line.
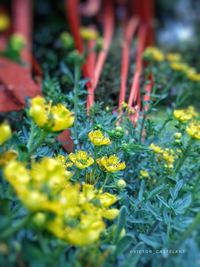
(48,170)
(184,115)
(193,129)
(154,53)
(173,57)
(81,159)
(107,199)
(179,66)
(110,214)
(4,22)
(8,156)
(62,118)
(98,139)
(5,132)
(156,149)
(39,111)
(193,75)
(88,34)
(111,164)
(16,173)
(54,118)
(144,174)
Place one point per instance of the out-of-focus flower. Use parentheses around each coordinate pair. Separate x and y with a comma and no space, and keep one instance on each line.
(184,115)
(88,33)
(5,132)
(179,66)
(156,149)
(173,57)
(81,159)
(154,53)
(193,75)
(98,139)
(193,129)
(53,118)
(8,156)
(4,22)
(111,164)
(144,174)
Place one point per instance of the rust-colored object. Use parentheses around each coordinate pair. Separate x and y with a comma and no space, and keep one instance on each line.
(16,82)
(66,141)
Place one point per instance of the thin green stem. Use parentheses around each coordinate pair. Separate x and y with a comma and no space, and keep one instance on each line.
(185,155)
(76,98)
(105,181)
(15,228)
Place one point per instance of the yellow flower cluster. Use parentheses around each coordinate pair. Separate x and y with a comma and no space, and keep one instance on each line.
(193,75)
(185,115)
(111,164)
(88,33)
(53,118)
(179,66)
(193,129)
(98,139)
(154,53)
(167,154)
(71,212)
(5,132)
(81,159)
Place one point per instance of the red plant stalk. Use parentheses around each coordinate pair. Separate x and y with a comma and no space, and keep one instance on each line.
(22,24)
(72,11)
(129,31)
(107,38)
(148,89)
(134,97)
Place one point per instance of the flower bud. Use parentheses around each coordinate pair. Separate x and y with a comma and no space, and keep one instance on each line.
(121,184)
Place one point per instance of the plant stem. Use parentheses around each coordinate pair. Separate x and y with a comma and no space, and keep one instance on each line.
(76,98)
(182,160)
(105,181)
(12,230)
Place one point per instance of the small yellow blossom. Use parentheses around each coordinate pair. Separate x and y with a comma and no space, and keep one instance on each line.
(4,22)
(179,66)
(144,174)
(156,149)
(54,118)
(193,129)
(184,115)
(88,33)
(81,159)
(110,214)
(154,53)
(98,139)
(107,199)
(111,164)
(193,75)
(173,57)
(5,132)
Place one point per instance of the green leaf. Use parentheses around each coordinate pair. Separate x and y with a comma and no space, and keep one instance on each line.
(134,257)
(174,191)
(120,224)
(123,244)
(156,191)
